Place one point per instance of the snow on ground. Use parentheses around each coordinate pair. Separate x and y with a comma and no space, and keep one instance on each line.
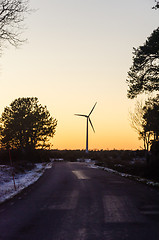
(7,189)
(22,181)
(137,178)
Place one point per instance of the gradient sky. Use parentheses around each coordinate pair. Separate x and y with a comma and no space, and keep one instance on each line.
(79,52)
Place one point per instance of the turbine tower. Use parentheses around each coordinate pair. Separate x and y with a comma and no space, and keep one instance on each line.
(88,120)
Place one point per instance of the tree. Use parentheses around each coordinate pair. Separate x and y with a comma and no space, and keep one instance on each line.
(151,116)
(145,119)
(137,122)
(143,76)
(26,124)
(12,14)
(156,6)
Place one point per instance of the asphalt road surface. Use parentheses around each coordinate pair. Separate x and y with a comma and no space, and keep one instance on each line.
(73,202)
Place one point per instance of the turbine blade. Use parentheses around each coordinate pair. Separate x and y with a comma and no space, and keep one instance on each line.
(92,109)
(81,115)
(91,125)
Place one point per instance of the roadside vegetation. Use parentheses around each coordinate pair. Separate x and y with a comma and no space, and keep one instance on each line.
(125,161)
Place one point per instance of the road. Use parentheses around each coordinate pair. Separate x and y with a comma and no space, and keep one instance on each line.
(74,202)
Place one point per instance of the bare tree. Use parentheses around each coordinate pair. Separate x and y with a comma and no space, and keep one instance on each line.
(136,117)
(12,14)
(137,122)
(156,5)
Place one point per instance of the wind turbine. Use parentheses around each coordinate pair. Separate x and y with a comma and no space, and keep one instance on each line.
(88,120)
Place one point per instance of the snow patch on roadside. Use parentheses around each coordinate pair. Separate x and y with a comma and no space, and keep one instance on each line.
(133,177)
(22,181)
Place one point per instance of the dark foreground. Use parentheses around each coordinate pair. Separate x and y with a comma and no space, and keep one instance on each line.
(73,202)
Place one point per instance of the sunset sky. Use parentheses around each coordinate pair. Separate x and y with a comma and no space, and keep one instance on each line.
(79,52)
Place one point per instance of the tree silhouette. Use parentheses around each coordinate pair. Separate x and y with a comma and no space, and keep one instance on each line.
(151,116)
(145,120)
(26,124)
(12,13)
(156,6)
(137,122)
(143,76)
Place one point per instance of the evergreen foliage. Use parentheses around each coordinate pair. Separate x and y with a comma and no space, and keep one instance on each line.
(26,124)
(144,73)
